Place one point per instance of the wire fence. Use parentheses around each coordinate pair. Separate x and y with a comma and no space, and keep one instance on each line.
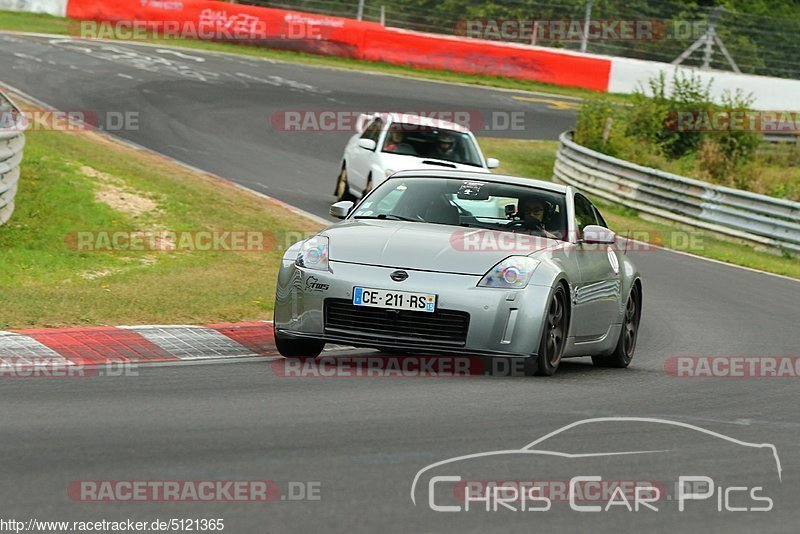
(756,43)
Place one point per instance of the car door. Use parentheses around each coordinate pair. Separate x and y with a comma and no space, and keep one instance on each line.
(596,297)
(361,159)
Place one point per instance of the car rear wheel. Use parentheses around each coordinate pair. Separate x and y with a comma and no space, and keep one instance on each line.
(626,345)
(554,334)
(342,187)
(299,349)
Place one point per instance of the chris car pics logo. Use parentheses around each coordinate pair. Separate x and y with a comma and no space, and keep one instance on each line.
(674,484)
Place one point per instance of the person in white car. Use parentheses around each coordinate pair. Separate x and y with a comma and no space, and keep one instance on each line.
(445,147)
(395,143)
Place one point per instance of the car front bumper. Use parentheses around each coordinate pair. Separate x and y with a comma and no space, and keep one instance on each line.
(501,322)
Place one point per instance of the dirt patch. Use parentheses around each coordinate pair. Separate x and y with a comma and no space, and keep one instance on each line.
(113,192)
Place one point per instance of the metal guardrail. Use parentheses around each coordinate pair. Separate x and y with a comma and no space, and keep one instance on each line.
(791,137)
(759,219)
(12,141)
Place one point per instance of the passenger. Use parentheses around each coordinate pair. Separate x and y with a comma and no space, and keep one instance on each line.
(396,143)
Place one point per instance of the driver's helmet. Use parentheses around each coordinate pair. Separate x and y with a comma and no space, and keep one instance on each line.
(446,142)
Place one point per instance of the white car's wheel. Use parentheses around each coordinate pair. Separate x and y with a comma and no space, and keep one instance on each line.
(369,185)
(342,187)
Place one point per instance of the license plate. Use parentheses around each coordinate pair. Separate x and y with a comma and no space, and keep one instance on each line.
(394,300)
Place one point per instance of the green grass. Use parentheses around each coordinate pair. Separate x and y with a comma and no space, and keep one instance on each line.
(28,22)
(45,282)
(536,158)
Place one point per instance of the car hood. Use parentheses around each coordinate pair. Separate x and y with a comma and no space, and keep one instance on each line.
(422,246)
(397,163)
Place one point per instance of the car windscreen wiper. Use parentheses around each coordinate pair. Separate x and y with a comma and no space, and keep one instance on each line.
(390,216)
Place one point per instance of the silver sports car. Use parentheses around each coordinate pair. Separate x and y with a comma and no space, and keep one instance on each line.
(448,262)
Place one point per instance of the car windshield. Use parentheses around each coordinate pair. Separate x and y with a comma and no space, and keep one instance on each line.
(468,203)
(433,143)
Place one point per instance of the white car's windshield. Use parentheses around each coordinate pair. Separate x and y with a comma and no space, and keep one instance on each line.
(434,143)
(469,203)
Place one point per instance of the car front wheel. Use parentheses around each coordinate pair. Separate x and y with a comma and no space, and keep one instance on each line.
(300,349)
(554,334)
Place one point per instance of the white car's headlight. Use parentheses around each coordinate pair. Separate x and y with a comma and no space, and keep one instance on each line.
(314,254)
(512,273)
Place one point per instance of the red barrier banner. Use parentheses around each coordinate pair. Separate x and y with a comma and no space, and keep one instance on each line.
(484,57)
(219,21)
(336,36)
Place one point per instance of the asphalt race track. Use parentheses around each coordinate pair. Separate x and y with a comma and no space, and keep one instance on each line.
(216,112)
(364,439)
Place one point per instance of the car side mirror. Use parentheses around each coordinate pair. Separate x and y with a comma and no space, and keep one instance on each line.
(367,144)
(342,209)
(492,163)
(594,234)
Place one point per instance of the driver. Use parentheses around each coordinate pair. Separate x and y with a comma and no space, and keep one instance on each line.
(532,213)
(445,146)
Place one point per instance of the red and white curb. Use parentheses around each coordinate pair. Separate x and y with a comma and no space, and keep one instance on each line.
(136,344)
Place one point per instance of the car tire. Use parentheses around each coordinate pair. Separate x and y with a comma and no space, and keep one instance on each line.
(342,191)
(298,349)
(626,344)
(369,186)
(554,335)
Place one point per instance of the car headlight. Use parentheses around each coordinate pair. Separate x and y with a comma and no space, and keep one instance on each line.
(314,254)
(512,273)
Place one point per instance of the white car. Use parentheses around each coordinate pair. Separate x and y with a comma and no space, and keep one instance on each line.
(390,142)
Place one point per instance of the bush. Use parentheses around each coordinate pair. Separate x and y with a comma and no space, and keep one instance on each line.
(593,120)
(649,130)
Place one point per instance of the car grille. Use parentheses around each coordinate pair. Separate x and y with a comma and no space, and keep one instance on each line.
(445,328)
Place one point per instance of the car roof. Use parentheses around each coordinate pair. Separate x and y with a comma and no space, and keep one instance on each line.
(418,120)
(482,177)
